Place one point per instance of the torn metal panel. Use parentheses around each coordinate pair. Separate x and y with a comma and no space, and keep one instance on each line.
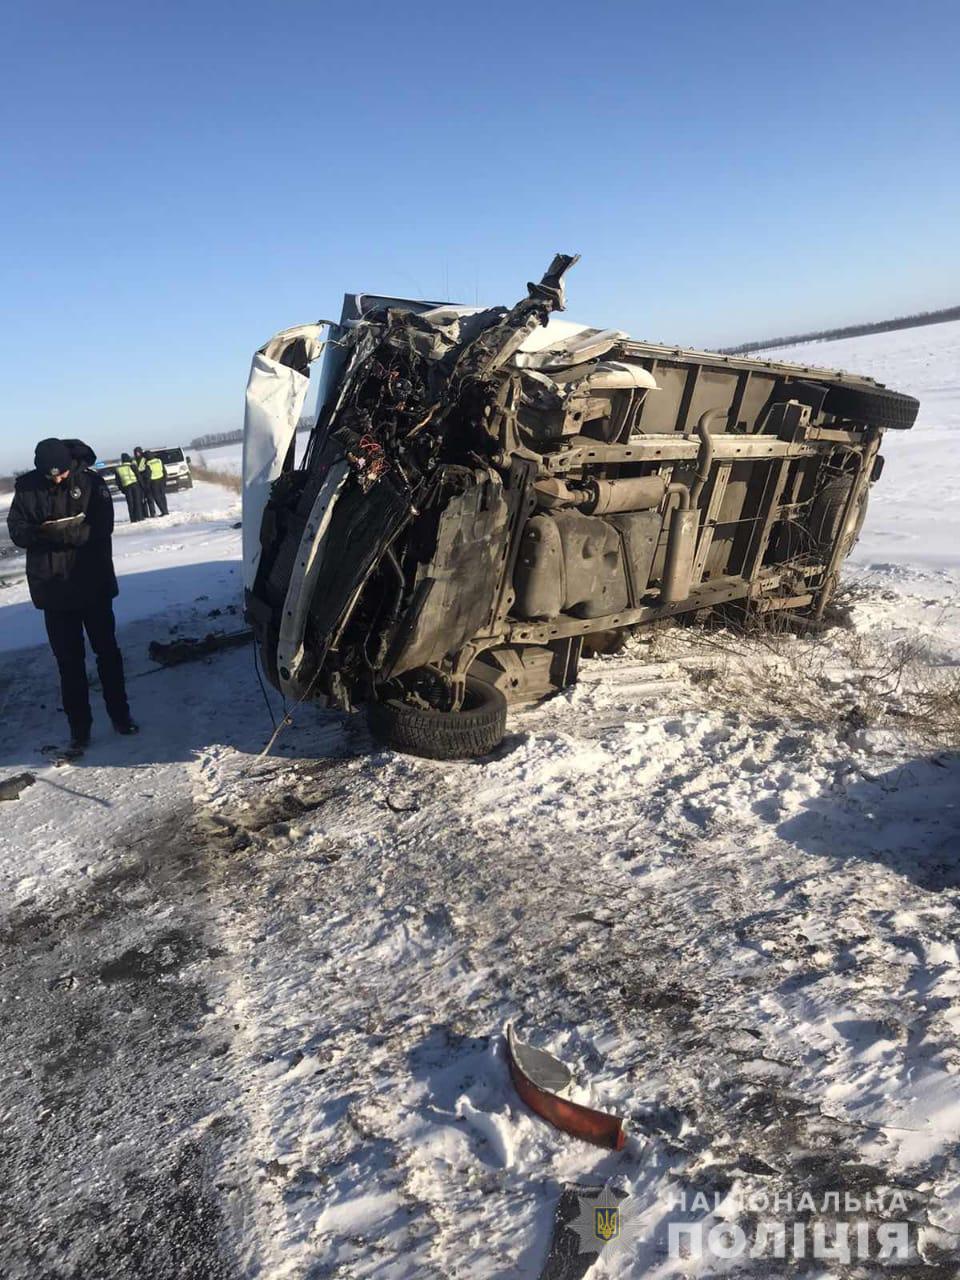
(453,589)
(575,349)
(276,390)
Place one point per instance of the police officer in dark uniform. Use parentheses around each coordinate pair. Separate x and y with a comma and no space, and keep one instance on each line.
(62,514)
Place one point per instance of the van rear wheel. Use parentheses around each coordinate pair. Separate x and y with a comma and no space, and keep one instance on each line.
(826,517)
(475,730)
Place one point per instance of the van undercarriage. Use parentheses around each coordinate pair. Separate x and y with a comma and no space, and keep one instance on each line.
(484,492)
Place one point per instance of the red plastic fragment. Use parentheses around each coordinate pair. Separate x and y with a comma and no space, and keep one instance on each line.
(598,1127)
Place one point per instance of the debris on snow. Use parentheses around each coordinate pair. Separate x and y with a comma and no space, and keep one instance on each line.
(189,649)
(11,788)
(544,1083)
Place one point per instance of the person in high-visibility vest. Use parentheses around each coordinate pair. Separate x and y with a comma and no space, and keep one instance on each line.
(129,485)
(158,482)
(143,475)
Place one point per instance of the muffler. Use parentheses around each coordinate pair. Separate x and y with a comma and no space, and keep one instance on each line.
(685,521)
(681,549)
(635,493)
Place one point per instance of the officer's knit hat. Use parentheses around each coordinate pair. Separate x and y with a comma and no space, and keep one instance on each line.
(51,457)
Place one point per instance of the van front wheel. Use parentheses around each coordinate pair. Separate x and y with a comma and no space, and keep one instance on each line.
(475,730)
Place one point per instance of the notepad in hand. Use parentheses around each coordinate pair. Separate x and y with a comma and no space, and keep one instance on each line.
(77,519)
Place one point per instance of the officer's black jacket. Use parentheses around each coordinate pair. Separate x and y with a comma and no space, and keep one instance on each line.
(61,575)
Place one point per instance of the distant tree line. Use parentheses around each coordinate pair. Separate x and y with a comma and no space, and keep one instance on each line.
(214,439)
(850,331)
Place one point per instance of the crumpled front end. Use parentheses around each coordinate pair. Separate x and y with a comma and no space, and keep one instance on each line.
(386,550)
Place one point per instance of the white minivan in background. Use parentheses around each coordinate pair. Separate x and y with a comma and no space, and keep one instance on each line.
(177,466)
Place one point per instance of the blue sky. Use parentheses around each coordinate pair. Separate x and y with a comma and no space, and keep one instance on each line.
(181,180)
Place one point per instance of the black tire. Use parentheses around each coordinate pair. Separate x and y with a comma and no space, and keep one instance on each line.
(827,513)
(443,735)
(876,407)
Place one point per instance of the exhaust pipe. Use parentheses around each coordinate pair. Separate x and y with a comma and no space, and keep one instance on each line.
(705,456)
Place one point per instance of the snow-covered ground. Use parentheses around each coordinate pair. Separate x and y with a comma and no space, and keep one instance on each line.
(252,1008)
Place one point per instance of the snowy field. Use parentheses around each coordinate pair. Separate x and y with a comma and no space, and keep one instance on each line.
(252,1009)
(228,458)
